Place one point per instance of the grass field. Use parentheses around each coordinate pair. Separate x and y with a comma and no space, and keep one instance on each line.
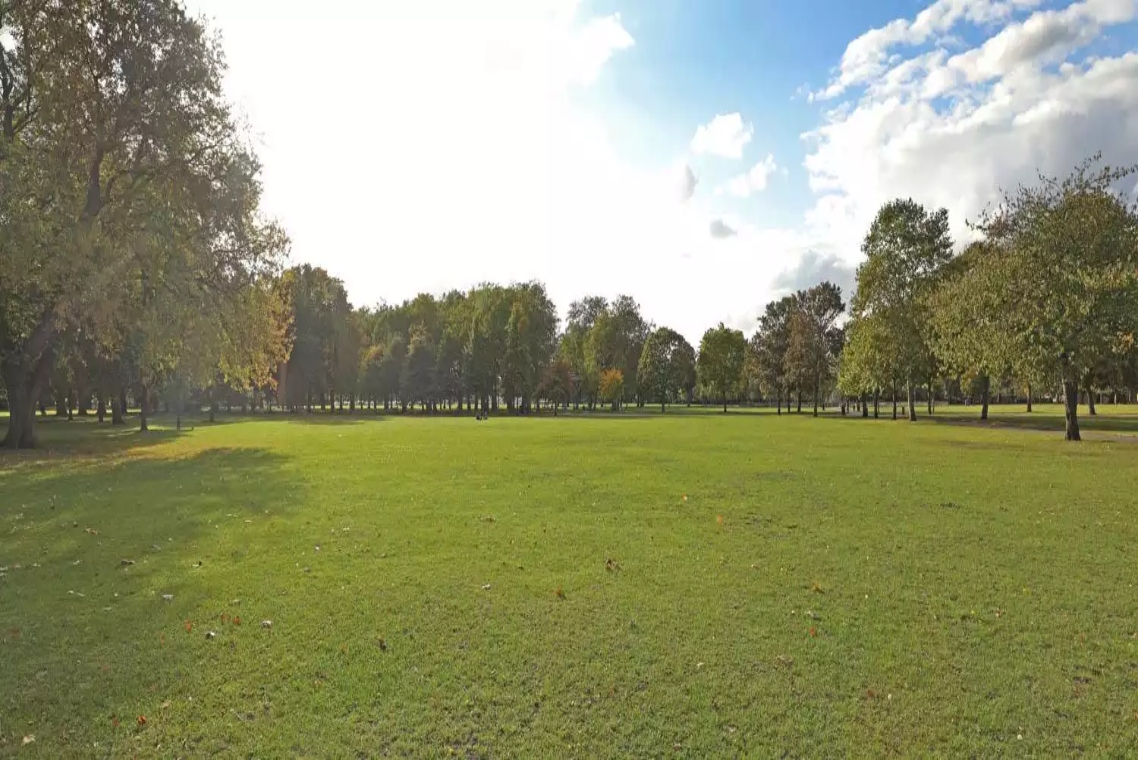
(691,585)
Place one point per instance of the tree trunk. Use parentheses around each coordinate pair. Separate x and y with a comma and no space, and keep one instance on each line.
(21,407)
(1029,398)
(725,403)
(865,406)
(101,408)
(1071,411)
(142,411)
(876,403)
(894,401)
(930,400)
(778,402)
(662,409)
(117,410)
(817,384)
(799,400)
(122,401)
(985,396)
(1091,401)
(60,404)
(912,402)
(212,407)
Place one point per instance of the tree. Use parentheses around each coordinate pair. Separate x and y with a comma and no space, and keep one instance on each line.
(813,339)
(904,251)
(611,387)
(557,383)
(417,382)
(113,112)
(662,366)
(768,349)
(683,358)
(722,353)
(1061,276)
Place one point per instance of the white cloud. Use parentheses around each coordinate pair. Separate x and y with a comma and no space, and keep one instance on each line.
(867,57)
(726,135)
(754,181)
(952,130)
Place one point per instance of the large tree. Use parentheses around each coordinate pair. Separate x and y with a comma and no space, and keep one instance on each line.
(904,251)
(1060,273)
(112,115)
(722,354)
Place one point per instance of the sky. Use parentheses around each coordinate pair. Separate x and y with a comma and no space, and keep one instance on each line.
(703,156)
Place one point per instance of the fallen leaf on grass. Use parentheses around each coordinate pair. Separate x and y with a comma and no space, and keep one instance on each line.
(382,645)
(684,497)
(166,704)
(211,634)
(236,620)
(15,632)
(168,597)
(719,519)
(92,531)
(29,739)
(813,631)
(611,565)
(188,626)
(126,562)
(559,593)
(114,721)
(486,587)
(816,587)
(266,623)
(142,720)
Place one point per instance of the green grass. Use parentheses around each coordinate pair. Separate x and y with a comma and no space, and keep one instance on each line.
(828,587)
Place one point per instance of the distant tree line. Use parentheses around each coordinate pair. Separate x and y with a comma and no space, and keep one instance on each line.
(137,269)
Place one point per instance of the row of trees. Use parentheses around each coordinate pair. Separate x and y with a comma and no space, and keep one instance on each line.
(134,261)
(1045,300)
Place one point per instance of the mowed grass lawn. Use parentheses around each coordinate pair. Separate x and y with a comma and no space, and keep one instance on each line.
(689,585)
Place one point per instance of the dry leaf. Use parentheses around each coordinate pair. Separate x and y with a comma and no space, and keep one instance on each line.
(210,634)
(126,562)
(29,739)
(168,597)
(142,720)
(266,623)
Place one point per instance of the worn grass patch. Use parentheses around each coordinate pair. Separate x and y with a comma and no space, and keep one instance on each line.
(693,585)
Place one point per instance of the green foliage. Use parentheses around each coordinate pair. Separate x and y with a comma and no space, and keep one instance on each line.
(722,355)
(905,251)
(665,366)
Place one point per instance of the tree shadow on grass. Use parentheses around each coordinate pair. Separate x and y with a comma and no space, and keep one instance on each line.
(88,549)
(1101,423)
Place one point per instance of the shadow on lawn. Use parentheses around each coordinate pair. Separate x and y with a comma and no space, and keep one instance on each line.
(1103,423)
(90,546)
